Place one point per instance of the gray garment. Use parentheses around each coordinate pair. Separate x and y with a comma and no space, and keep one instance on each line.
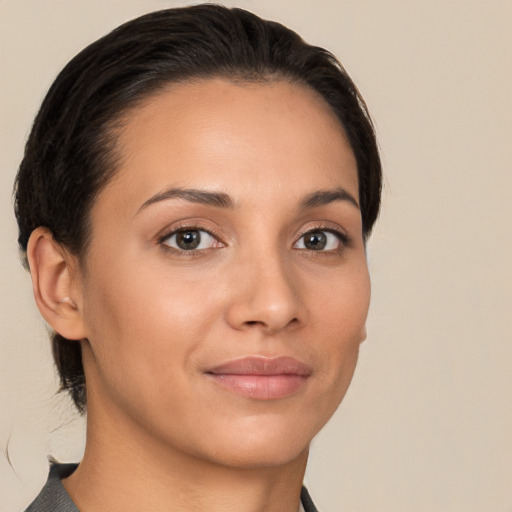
(54,498)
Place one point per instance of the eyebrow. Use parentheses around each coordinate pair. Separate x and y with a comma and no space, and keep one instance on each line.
(323,197)
(192,195)
(222,200)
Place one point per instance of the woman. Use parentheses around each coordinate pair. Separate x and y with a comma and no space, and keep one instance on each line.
(193,203)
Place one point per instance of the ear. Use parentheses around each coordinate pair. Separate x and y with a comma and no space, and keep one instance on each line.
(56,284)
(363,334)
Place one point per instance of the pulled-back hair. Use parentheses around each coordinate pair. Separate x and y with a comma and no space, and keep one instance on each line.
(70,154)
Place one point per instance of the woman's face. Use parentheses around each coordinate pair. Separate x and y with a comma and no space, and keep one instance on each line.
(226,286)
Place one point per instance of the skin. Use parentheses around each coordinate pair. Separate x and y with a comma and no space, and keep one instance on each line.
(155,318)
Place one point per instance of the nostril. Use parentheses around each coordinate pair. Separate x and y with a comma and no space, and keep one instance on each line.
(293,323)
(251,323)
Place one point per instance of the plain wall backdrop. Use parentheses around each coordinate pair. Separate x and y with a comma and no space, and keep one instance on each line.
(427,423)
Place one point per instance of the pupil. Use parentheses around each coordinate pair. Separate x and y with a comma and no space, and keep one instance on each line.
(188,240)
(315,241)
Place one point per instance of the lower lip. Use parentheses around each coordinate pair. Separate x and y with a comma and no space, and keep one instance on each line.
(261,387)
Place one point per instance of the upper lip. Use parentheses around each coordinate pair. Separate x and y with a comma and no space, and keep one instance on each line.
(258,365)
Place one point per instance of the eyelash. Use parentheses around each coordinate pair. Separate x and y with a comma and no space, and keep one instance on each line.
(183,228)
(342,237)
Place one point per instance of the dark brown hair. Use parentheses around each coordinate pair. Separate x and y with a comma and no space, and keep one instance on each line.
(70,153)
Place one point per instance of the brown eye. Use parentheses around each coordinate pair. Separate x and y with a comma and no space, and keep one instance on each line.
(315,240)
(190,240)
(321,240)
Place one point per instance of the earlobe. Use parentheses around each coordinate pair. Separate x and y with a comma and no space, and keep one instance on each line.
(55,282)
(363,335)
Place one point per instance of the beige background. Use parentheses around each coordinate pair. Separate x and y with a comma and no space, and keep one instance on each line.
(427,424)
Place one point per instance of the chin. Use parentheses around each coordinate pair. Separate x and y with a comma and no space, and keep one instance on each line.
(260,443)
(261,455)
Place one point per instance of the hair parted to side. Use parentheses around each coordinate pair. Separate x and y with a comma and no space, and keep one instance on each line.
(70,154)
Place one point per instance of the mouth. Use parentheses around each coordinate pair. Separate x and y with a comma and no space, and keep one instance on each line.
(262,378)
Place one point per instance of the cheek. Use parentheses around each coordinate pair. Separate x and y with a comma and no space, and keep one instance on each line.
(340,317)
(143,307)
(341,306)
(145,334)
(142,320)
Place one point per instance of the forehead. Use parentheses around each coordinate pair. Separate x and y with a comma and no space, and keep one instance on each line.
(236,138)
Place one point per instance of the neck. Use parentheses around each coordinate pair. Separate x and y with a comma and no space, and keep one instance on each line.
(130,470)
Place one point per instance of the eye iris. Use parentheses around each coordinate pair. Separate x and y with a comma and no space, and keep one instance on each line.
(188,240)
(316,240)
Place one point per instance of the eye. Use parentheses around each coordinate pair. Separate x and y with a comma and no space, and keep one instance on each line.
(190,240)
(320,240)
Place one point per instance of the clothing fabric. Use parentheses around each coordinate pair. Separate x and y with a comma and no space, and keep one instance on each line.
(54,498)
(306,502)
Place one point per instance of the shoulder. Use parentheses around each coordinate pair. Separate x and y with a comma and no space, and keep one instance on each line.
(53,497)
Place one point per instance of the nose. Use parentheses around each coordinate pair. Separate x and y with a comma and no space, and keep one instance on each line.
(266,297)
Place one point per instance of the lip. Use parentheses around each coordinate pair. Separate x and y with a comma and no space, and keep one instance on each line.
(262,378)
